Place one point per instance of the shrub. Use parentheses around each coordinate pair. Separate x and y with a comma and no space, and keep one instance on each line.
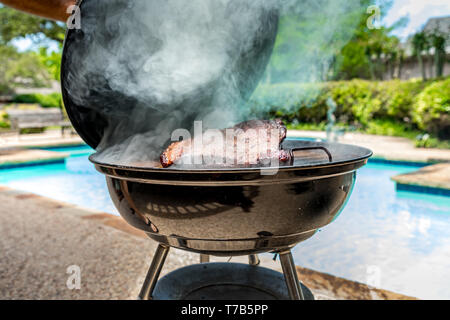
(398,96)
(391,128)
(4,120)
(355,100)
(431,110)
(359,103)
(21,69)
(32,130)
(52,100)
(286,100)
(5,89)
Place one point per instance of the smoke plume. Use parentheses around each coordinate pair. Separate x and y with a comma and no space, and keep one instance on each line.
(148,67)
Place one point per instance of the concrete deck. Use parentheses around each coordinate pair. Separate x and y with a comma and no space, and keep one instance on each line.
(14,150)
(435,176)
(389,148)
(50,138)
(41,238)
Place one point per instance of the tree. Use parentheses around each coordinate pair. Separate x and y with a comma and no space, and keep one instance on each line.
(392,52)
(311,37)
(51,60)
(15,24)
(427,48)
(34,69)
(419,42)
(20,69)
(438,41)
(401,61)
(372,51)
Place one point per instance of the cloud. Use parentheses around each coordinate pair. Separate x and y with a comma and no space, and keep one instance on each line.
(419,11)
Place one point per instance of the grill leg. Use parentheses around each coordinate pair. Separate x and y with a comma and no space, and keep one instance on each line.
(204,258)
(153,272)
(253,260)
(290,275)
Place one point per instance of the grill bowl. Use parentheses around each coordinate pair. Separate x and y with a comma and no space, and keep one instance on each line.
(236,211)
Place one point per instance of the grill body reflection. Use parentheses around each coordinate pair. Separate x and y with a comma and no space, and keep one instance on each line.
(226,220)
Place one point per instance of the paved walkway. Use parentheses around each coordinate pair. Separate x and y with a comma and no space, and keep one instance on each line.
(390,148)
(14,149)
(49,138)
(41,238)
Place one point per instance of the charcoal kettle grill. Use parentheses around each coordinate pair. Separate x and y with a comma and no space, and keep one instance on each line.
(235,212)
(213,211)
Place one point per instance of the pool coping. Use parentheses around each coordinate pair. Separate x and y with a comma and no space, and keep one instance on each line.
(59,157)
(386,147)
(15,165)
(56,145)
(417,188)
(433,179)
(33,162)
(23,157)
(404,183)
(398,162)
(42,142)
(36,154)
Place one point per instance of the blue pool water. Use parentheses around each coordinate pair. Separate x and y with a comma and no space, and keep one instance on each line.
(399,241)
(75,181)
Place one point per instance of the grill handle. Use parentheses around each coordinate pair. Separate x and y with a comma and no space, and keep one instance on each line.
(330,157)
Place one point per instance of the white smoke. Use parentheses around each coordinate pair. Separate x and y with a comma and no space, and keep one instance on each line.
(167,63)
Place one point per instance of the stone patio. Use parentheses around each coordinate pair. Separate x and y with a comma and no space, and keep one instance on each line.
(41,238)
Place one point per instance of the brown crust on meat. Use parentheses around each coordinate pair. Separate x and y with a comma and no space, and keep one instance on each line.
(172,153)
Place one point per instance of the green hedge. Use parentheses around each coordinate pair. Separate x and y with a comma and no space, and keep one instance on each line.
(414,103)
(52,100)
(431,111)
(4,120)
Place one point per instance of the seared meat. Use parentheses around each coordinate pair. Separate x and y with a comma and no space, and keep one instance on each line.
(250,142)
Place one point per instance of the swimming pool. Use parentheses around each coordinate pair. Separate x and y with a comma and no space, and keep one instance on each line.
(399,241)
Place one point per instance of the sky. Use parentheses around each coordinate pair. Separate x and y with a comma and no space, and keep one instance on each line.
(26,44)
(419,11)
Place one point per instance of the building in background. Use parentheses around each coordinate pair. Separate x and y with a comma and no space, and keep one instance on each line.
(410,67)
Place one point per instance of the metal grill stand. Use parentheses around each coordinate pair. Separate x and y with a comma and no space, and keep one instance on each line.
(295,288)
(153,272)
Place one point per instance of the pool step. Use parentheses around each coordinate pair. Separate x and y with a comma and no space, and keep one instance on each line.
(434,179)
(19,157)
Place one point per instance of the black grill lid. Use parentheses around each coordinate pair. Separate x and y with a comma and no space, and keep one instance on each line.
(90,115)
